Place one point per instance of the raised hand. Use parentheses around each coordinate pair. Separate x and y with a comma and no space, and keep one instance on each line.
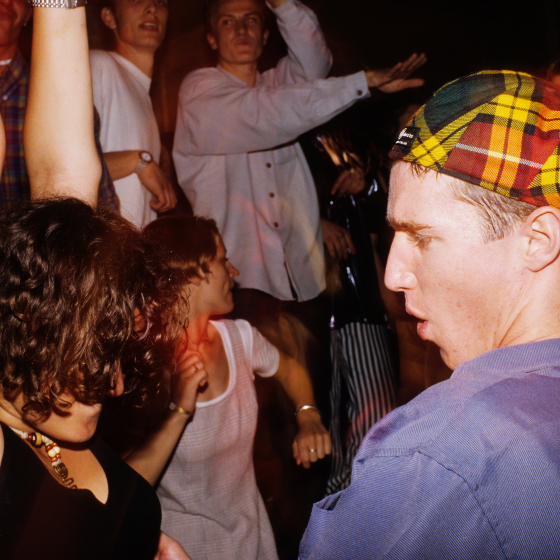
(390,80)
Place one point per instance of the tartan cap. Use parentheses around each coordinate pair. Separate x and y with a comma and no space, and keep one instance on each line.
(496,129)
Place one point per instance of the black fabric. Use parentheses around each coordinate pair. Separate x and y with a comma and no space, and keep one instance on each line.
(41,519)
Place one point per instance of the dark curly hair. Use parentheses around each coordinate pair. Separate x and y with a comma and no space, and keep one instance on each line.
(82,297)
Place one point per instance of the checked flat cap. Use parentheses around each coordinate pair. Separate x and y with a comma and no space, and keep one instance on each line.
(496,129)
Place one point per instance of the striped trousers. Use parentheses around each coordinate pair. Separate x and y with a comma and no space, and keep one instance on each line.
(363,369)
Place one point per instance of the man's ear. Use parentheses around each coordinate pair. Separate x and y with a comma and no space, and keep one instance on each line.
(541,234)
(108,18)
(265,37)
(212,41)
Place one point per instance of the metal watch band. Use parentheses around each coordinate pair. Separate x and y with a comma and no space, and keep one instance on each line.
(143,162)
(68,4)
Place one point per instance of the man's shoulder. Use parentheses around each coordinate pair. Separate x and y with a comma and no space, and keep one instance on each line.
(202,79)
(458,421)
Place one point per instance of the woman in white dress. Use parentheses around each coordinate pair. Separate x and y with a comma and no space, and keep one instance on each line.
(202,452)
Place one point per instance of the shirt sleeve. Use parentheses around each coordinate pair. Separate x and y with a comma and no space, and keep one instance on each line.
(264,356)
(308,56)
(219,114)
(399,508)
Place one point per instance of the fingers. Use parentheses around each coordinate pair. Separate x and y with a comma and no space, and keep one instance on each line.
(337,240)
(350,181)
(310,448)
(165,199)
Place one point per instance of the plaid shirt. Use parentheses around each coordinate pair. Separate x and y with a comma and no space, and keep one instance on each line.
(14,181)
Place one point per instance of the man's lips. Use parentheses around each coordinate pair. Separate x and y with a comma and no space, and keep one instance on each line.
(150,26)
(422,324)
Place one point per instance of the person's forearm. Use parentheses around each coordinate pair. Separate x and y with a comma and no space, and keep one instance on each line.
(58,133)
(150,458)
(295,380)
(284,113)
(121,164)
(308,58)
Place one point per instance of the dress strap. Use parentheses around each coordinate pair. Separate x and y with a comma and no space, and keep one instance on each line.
(239,353)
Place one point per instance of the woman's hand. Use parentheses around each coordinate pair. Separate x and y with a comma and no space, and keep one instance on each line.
(312,441)
(189,375)
(170,549)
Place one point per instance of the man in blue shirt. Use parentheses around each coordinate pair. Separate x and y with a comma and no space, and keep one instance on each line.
(471,467)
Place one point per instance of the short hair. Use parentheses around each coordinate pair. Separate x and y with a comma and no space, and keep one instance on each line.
(74,284)
(211,8)
(188,244)
(499,214)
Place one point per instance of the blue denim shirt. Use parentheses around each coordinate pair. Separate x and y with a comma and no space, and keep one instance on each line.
(468,469)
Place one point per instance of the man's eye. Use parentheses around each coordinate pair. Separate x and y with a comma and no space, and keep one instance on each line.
(421,241)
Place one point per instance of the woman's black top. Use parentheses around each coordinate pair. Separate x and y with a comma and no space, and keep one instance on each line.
(41,519)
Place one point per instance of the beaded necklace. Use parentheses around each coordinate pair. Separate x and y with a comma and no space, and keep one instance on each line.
(37,439)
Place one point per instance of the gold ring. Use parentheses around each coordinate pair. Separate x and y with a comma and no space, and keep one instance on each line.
(312,451)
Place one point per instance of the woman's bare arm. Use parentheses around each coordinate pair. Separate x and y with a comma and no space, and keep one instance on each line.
(58,133)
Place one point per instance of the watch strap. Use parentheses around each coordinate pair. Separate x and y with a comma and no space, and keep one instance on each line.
(68,4)
(143,162)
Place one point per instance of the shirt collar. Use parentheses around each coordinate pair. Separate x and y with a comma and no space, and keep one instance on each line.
(518,359)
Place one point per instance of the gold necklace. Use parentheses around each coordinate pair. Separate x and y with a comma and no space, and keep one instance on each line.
(37,439)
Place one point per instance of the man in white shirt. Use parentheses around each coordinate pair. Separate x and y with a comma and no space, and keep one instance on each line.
(121,84)
(235,150)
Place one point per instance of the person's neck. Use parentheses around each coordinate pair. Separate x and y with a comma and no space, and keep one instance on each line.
(7,52)
(197,331)
(246,72)
(142,59)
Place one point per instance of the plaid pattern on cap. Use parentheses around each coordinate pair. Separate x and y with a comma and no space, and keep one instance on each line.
(496,129)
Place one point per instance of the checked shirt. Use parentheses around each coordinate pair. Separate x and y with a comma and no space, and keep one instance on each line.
(14,181)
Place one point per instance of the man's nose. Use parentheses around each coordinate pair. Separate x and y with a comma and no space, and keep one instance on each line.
(241,27)
(398,274)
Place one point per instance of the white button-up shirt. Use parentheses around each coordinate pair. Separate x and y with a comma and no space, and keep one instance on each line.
(238,162)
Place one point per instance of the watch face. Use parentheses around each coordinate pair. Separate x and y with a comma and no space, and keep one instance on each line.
(146,156)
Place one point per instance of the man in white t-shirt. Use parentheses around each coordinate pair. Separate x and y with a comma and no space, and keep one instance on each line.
(121,85)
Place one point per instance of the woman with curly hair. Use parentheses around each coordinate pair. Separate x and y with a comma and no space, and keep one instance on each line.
(202,452)
(83,308)
(87,312)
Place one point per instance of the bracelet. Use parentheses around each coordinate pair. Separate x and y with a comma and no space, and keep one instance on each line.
(176,408)
(305,407)
(68,4)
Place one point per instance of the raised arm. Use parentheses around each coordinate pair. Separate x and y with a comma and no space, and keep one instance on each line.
(312,441)
(248,119)
(58,133)
(308,56)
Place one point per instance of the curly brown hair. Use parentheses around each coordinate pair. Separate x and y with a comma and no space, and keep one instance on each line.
(82,297)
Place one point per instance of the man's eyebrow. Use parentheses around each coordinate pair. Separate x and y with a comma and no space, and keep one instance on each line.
(403,225)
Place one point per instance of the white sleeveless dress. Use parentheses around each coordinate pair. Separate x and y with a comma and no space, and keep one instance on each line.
(208,493)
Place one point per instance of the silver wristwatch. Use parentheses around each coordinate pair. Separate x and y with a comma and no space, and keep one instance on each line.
(68,4)
(145,158)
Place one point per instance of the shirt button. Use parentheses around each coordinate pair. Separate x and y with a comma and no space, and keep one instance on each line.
(276,224)
(269,165)
(271,195)
(5,98)
(359,92)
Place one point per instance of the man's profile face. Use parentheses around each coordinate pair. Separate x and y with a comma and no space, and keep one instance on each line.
(140,24)
(238,32)
(452,280)
(13,15)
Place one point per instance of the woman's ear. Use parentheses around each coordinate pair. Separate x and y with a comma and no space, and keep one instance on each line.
(541,238)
